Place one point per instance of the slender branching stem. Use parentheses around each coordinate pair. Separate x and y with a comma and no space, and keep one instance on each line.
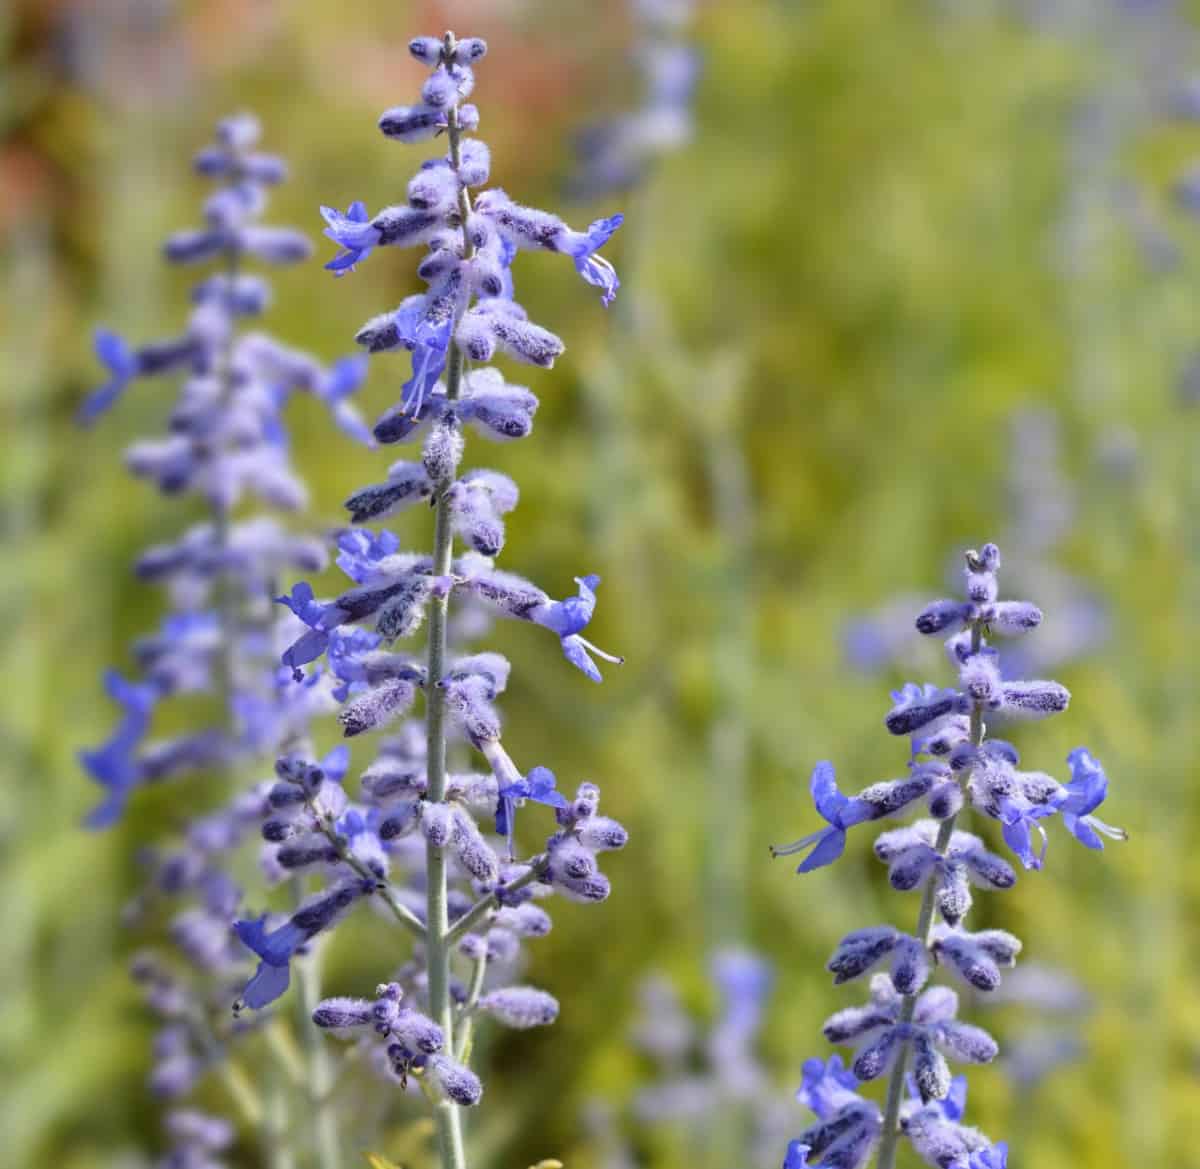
(464,924)
(467,1012)
(226,601)
(235,1081)
(241,1091)
(383,890)
(277,1148)
(326,1139)
(287,1056)
(895,1093)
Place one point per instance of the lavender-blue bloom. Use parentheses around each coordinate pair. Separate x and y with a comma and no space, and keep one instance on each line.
(276,948)
(847,1127)
(1087,790)
(122,365)
(114,765)
(537,786)
(843,812)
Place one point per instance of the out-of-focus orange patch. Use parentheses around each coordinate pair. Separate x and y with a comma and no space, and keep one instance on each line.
(27,180)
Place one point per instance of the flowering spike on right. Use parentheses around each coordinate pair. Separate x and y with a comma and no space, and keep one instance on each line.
(906,1032)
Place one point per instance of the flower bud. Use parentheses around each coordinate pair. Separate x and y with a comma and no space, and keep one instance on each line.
(342,1015)
(877,1057)
(1012,618)
(966,1043)
(427,50)
(521,1007)
(1034,699)
(601,834)
(942,615)
(857,952)
(443,450)
(376,707)
(453,1080)
(411,123)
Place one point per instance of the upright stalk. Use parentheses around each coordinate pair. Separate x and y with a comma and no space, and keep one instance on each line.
(320,1070)
(895,1093)
(277,1149)
(437,924)
(226,602)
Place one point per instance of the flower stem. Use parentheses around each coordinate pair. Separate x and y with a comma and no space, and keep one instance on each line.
(463,925)
(895,1094)
(383,890)
(226,601)
(467,1011)
(320,1072)
(437,947)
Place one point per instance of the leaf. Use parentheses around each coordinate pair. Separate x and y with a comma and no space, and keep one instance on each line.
(549,1163)
(378,1161)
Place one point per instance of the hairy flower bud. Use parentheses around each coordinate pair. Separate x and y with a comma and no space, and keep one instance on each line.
(521,1007)
(454,1081)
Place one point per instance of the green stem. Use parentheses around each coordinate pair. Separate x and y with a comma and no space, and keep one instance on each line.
(241,1091)
(467,1012)
(437,948)
(320,1070)
(277,1148)
(383,890)
(537,870)
(226,601)
(895,1093)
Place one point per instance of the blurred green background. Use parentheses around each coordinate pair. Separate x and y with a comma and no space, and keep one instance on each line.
(900,224)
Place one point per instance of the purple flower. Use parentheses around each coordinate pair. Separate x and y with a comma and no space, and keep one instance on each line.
(424,325)
(1018,824)
(343,378)
(1087,789)
(537,786)
(596,270)
(568,618)
(839,811)
(796,1156)
(346,650)
(360,551)
(274,949)
(122,365)
(847,1126)
(114,765)
(319,618)
(353,232)
(826,1086)
(993,1157)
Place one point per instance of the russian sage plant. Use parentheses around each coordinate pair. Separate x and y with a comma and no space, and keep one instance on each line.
(226,441)
(616,154)
(467,900)
(709,1083)
(954,766)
